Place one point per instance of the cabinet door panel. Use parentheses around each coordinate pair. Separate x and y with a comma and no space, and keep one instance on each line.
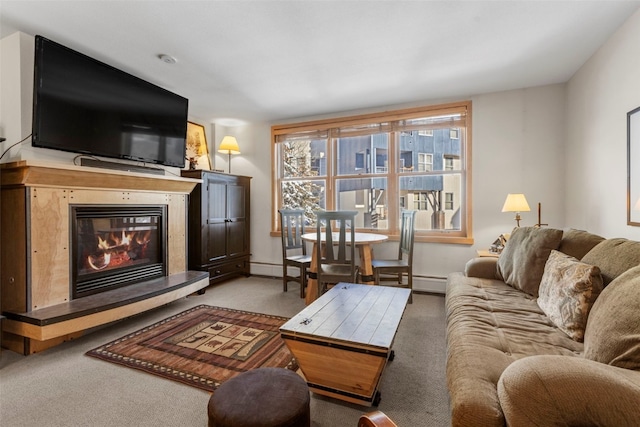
(217,240)
(217,201)
(235,201)
(237,241)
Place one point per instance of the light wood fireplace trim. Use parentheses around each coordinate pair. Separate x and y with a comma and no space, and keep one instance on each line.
(35,209)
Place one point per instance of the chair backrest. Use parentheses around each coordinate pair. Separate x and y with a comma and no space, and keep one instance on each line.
(339,228)
(292,227)
(407,232)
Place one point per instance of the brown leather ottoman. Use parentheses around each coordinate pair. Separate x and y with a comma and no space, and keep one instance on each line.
(264,397)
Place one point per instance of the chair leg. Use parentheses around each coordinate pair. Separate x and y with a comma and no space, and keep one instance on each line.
(303,280)
(410,280)
(284,277)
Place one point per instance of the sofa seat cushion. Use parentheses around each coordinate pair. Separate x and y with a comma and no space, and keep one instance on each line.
(489,326)
(521,263)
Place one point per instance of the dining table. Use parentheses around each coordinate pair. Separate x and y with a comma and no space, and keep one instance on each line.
(363,242)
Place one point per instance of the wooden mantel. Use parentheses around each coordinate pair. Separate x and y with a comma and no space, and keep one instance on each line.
(35,247)
(34,173)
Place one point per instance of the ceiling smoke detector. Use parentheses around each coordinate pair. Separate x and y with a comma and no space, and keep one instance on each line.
(167,59)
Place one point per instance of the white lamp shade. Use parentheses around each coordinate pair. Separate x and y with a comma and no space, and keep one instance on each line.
(515,203)
(229,145)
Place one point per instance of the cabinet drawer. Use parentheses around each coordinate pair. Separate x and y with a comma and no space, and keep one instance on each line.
(231,268)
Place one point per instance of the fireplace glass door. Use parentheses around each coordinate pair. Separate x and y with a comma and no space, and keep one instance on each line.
(114,246)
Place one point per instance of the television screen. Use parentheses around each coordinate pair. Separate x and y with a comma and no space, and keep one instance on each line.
(86,106)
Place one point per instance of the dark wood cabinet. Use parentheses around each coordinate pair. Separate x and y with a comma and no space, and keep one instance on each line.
(219,230)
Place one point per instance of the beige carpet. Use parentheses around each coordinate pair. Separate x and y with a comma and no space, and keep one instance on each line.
(63,387)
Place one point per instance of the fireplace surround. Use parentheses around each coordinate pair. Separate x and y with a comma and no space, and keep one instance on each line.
(39,207)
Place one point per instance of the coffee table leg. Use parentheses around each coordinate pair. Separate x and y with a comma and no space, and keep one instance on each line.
(377,398)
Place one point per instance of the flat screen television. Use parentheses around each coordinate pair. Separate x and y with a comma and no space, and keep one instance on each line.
(85,106)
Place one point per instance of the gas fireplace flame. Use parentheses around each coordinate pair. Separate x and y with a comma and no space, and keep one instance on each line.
(118,248)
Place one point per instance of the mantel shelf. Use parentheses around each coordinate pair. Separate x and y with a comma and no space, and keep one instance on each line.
(41,174)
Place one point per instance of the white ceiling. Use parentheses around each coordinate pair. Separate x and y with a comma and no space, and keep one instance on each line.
(244,61)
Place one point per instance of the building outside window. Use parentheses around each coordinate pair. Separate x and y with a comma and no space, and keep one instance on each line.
(379,164)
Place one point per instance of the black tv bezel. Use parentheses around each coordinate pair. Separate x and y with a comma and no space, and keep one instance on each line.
(37,141)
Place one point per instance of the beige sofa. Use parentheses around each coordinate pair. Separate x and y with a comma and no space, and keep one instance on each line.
(575,361)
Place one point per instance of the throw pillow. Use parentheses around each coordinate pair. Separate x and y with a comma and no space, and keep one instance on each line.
(613,328)
(578,242)
(567,291)
(521,263)
(614,257)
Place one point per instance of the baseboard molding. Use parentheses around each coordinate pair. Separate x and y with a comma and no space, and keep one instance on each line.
(425,284)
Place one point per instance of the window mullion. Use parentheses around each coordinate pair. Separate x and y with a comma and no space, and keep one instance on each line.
(393,191)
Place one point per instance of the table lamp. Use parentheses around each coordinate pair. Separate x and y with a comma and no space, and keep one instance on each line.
(229,145)
(516,203)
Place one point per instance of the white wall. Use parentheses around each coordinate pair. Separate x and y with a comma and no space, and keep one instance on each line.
(16,86)
(599,96)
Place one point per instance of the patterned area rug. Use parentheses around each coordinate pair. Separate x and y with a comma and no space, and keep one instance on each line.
(203,346)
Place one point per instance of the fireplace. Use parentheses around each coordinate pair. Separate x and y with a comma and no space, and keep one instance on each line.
(115,246)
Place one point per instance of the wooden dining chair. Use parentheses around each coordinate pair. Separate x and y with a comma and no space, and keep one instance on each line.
(382,268)
(294,249)
(336,257)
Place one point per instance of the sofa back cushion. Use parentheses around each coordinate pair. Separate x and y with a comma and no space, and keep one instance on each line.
(614,257)
(521,263)
(577,243)
(613,326)
(567,291)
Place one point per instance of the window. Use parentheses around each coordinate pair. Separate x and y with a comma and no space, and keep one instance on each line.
(448,163)
(425,162)
(420,201)
(448,201)
(379,164)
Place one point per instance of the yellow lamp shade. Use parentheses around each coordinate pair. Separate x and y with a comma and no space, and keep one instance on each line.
(515,203)
(229,145)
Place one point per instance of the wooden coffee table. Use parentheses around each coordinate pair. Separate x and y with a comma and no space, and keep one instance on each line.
(342,341)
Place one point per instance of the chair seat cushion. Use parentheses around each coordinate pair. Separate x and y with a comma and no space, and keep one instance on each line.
(389,263)
(300,259)
(336,269)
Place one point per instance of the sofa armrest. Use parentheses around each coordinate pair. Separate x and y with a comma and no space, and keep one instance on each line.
(568,391)
(481,267)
